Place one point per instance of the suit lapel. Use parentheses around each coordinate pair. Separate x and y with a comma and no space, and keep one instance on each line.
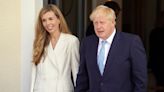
(51,56)
(92,50)
(52,52)
(95,55)
(112,54)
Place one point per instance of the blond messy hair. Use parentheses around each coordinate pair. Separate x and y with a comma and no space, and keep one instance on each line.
(101,9)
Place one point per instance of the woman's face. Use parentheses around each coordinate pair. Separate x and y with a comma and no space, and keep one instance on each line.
(50,22)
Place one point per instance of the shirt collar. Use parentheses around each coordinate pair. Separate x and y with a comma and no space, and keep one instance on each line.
(110,38)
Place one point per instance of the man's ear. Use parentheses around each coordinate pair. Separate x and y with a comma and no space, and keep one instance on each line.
(114,22)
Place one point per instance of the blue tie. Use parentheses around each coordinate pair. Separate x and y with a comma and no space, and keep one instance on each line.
(101,56)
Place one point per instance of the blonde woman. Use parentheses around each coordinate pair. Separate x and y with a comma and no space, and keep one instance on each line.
(55,53)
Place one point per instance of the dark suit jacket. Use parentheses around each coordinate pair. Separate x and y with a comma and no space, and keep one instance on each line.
(125,69)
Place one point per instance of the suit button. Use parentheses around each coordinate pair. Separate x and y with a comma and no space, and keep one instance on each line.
(101,84)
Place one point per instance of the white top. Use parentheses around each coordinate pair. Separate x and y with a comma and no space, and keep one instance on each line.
(53,74)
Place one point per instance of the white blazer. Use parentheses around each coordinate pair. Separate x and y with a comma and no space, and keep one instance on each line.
(54,72)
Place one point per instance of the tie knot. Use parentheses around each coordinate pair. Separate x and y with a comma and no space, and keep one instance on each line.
(103,42)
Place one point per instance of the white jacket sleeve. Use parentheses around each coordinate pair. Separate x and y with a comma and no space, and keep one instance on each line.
(75,59)
(33,76)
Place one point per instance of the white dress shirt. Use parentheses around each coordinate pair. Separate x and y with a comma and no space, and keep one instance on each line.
(107,45)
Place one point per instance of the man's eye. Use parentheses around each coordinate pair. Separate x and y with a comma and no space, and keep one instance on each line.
(102,22)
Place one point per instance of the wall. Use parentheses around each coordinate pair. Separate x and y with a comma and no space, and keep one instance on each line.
(149,17)
(17,21)
(29,11)
(10,46)
(119,18)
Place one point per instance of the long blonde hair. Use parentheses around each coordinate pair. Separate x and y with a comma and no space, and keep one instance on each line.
(42,38)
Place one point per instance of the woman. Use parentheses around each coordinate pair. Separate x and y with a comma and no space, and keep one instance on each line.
(55,53)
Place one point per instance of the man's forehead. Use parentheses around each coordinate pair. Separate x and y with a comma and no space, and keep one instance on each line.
(100,17)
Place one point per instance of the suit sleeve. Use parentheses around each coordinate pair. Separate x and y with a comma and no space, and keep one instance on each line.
(75,58)
(82,83)
(139,65)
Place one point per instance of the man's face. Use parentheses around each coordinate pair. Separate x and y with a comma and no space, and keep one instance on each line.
(103,26)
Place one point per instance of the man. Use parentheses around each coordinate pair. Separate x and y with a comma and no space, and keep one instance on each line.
(122,68)
(111,4)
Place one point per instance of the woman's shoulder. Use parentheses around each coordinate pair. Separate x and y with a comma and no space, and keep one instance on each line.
(68,37)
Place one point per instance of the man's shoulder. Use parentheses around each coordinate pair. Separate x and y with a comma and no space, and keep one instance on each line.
(127,35)
(67,36)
